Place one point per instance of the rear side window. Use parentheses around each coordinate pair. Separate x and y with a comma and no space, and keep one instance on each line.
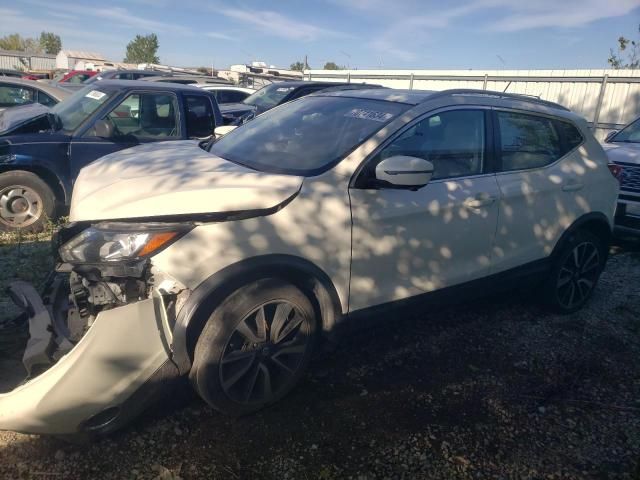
(200,118)
(570,136)
(527,141)
(230,96)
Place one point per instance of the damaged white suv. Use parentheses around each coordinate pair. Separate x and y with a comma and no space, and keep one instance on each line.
(226,264)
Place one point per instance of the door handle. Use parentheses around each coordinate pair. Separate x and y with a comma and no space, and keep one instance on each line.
(480,200)
(572,186)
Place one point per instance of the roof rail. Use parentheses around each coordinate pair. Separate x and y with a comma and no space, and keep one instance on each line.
(490,93)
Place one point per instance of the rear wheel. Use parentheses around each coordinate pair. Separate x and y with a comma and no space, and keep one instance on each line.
(26,202)
(575,272)
(254,347)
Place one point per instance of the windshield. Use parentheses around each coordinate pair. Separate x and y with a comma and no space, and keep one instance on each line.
(308,136)
(74,110)
(630,134)
(269,96)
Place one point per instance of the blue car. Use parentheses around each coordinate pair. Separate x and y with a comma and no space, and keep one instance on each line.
(42,150)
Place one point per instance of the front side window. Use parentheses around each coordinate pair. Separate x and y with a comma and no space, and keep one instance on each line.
(527,141)
(145,115)
(308,136)
(12,95)
(453,141)
(200,118)
(629,134)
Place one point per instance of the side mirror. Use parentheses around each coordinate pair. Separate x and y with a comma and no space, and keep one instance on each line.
(104,129)
(610,135)
(223,130)
(405,172)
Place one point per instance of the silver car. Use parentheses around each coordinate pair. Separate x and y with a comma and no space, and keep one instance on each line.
(623,149)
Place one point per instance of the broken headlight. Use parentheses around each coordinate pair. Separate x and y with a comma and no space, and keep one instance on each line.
(120,242)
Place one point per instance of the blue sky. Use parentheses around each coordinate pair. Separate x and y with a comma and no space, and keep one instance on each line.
(428,34)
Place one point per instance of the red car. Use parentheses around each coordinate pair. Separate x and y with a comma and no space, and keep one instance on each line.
(76,76)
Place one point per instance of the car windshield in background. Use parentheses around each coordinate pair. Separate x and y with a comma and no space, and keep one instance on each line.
(79,106)
(630,134)
(269,96)
(308,136)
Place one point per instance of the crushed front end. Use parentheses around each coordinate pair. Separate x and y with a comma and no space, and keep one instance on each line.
(100,335)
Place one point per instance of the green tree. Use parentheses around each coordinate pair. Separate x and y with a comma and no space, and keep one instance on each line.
(297,66)
(627,54)
(333,66)
(50,43)
(143,49)
(17,42)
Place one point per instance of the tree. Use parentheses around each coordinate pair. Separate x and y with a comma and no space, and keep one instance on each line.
(332,66)
(16,42)
(143,49)
(628,54)
(50,43)
(297,66)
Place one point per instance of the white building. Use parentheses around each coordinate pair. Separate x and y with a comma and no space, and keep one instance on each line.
(23,61)
(79,60)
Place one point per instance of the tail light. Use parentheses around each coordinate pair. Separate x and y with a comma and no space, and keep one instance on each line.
(616,171)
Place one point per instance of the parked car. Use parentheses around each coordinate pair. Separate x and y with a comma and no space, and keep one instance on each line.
(189,79)
(74,76)
(42,150)
(16,91)
(121,75)
(623,149)
(10,73)
(227,265)
(227,93)
(276,94)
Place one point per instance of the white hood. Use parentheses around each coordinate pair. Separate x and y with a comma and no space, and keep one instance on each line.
(173,178)
(623,152)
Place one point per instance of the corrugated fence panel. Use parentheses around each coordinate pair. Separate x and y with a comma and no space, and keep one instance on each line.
(578,90)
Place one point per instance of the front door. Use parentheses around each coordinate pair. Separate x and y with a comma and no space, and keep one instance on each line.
(140,118)
(406,242)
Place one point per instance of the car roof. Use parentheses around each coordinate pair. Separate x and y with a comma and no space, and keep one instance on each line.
(57,92)
(115,84)
(476,97)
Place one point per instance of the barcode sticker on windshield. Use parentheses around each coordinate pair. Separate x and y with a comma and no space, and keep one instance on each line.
(95,94)
(369,115)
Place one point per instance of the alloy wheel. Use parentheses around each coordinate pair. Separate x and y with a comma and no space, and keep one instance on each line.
(264,352)
(19,206)
(578,275)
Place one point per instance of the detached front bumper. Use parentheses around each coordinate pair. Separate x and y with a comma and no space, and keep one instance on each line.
(102,381)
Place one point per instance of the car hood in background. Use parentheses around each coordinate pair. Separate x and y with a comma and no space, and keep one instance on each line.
(176,178)
(623,152)
(235,109)
(14,117)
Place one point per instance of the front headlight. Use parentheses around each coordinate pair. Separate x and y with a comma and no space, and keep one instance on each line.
(120,242)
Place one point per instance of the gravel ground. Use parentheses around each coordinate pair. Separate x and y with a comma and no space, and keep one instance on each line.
(498,389)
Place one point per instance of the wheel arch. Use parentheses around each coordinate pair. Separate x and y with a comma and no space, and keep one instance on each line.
(594,222)
(49,177)
(193,315)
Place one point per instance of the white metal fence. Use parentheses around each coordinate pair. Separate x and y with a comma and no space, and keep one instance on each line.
(608,99)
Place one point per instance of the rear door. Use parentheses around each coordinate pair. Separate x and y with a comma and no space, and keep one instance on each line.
(141,117)
(541,178)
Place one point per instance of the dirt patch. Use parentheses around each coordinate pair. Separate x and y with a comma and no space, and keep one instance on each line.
(495,389)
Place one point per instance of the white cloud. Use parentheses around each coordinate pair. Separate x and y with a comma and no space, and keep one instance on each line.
(278,25)
(219,36)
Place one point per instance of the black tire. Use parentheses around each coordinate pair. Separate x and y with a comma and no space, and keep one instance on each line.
(575,272)
(253,350)
(26,202)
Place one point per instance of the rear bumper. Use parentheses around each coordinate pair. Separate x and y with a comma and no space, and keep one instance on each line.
(123,356)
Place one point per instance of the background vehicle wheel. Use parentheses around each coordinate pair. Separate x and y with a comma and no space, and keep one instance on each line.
(575,272)
(26,202)
(254,347)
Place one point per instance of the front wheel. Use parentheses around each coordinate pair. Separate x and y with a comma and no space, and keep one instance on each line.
(26,202)
(255,347)
(575,272)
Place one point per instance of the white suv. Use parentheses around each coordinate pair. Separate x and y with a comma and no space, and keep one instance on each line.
(226,264)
